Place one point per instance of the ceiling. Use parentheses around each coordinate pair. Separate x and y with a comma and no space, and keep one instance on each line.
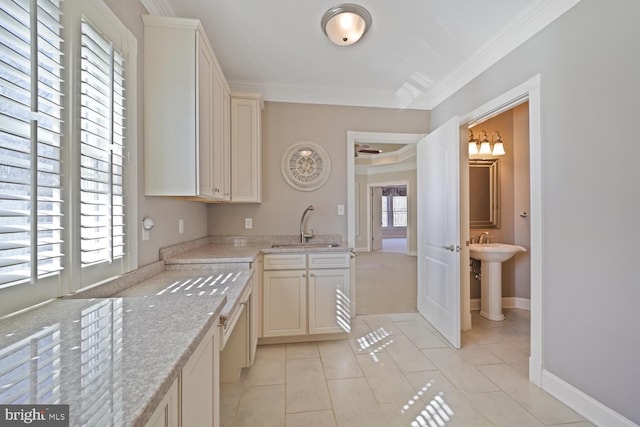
(415,55)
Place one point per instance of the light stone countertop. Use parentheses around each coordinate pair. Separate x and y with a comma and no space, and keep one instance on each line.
(227,253)
(111,359)
(115,358)
(218,253)
(192,285)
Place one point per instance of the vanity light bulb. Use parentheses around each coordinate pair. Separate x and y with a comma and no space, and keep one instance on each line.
(473,148)
(498,149)
(485,148)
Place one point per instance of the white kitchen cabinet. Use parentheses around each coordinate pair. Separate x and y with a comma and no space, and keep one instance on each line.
(329,306)
(306,294)
(184,94)
(285,302)
(166,414)
(226,143)
(194,398)
(246,148)
(200,404)
(239,336)
(221,166)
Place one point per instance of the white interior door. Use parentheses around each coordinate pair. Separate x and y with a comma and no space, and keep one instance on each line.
(438,170)
(376,218)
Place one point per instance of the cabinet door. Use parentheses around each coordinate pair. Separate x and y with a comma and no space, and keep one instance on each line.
(206,69)
(170,107)
(226,142)
(219,167)
(252,311)
(329,301)
(246,168)
(285,303)
(166,414)
(200,383)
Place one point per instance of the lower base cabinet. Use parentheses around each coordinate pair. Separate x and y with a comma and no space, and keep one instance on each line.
(166,414)
(196,394)
(239,336)
(306,294)
(329,305)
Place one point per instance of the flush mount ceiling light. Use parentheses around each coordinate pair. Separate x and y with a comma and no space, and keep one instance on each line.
(345,24)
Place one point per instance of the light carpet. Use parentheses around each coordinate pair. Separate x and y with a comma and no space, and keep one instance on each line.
(386,283)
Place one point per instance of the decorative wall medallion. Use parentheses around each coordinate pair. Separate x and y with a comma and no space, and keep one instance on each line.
(306,166)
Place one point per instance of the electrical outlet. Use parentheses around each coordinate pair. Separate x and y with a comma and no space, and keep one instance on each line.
(340,209)
(248,223)
(180,226)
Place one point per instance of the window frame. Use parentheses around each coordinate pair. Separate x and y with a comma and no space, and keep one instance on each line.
(104,20)
(73,277)
(389,209)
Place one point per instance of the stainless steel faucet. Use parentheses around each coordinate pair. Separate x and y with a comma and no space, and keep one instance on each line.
(484,238)
(304,236)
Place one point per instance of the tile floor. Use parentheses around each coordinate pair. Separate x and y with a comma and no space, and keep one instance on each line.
(395,370)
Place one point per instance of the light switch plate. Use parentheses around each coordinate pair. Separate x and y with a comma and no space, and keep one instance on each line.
(340,209)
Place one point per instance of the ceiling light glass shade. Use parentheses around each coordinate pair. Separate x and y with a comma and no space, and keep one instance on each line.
(498,149)
(473,148)
(345,24)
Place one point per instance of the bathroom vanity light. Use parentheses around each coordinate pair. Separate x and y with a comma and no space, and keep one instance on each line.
(498,146)
(473,144)
(345,24)
(485,145)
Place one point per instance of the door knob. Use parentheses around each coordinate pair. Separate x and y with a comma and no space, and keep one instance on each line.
(449,248)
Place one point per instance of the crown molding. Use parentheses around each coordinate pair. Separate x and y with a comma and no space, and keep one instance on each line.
(523,27)
(402,154)
(519,30)
(385,169)
(276,92)
(158,7)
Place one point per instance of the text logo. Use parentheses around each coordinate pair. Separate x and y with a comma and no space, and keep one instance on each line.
(34,415)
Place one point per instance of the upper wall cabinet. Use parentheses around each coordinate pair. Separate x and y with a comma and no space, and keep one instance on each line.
(186,135)
(246,147)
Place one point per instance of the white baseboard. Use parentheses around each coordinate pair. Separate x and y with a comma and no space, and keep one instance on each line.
(590,408)
(585,405)
(507,302)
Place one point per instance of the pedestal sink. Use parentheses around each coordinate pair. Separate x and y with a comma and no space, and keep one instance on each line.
(491,257)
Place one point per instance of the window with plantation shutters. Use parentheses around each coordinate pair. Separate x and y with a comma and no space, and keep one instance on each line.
(67,119)
(30,143)
(102,134)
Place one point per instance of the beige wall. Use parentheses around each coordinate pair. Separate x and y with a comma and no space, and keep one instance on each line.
(284,124)
(514,198)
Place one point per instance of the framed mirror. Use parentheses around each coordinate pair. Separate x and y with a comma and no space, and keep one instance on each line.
(484,193)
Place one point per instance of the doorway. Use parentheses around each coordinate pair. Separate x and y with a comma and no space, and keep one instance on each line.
(389,169)
(529,92)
